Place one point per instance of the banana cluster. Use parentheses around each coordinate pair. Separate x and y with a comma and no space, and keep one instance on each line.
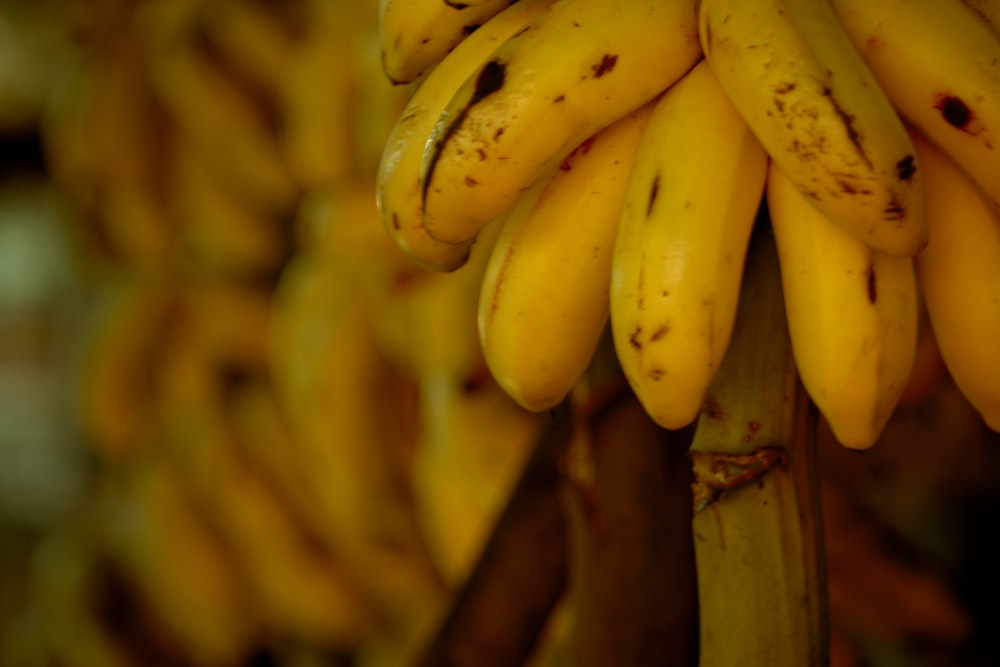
(298,448)
(615,157)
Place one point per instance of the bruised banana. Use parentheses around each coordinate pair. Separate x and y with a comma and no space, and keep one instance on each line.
(417,34)
(538,335)
(959,277)
(691,202)
(398,176)
(804,90)
(852,315)
(570,72)
(939,64)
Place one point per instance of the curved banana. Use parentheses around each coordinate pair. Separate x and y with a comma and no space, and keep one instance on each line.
(398,176)
(570,72)
(852,315)
(315,100)
(226,124)
(218,232)
(939,63)
(544,299)
(691,202)
(959,277)
(804,90)
(989,10)
(416,34)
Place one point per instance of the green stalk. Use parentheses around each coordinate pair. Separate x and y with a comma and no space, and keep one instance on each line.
(757,524)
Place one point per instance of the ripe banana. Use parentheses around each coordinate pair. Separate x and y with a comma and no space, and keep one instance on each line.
(959,277)
(852,315)
(570,72)
(314,100)
(989,10)
(939,63)
(544,299)
(802,87)
(398,177)
(417,34)
(691,202)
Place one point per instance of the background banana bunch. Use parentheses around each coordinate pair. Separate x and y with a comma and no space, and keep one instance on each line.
(405,329)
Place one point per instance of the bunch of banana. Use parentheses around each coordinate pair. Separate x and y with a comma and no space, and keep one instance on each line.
(810,108)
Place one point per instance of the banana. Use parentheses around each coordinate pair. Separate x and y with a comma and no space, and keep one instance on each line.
(474,441)
(570,72)
(852,314)
(804,90)
(254,38)
(416,34)
(227,125)
(156,535)
(690,205)
(544,299)
(332,380)
(988,9)
(939,64)
(398,174)
(117,345)
(218,232)
(315,101)
(959,277)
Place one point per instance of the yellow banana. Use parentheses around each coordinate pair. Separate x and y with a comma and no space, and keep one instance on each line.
(218,232)
(570,72)
(416,34)
(939,63)
(166,551)
(959,277)
(544,299)
(691,202)
(315,100)
(852,314)
(989,10)
(398,176)
(329,371)
(473,443)
(256,39)
(228,127)
(804,90)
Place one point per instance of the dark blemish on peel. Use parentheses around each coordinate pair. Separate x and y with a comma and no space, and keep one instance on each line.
(560,98)
(654,190)
(895,210)
(660,333)
(905,168)
(489,81)
(633,339)
(848,121)
(395,221)
(870,284)
(607,64)
(954,111)
(498,134)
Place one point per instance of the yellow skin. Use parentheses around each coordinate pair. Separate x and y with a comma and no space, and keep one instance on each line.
(797,79)
(398,178)
(692,198)
(959,276)
(538,335)
(852,315)
(571,72)
(417,34)
(939,63)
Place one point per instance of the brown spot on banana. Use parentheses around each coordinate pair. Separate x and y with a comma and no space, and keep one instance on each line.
(662,331)
(906,168)
(848,121)
(607,63)
(633,338)
(654,191)
(870,284)
(490,80)
(955,112)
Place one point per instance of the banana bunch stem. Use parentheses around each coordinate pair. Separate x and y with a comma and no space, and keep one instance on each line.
(757,524)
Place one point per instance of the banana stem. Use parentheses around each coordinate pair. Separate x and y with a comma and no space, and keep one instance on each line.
(757,524)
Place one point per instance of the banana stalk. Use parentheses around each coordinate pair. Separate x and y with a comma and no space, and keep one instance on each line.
(757,525)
